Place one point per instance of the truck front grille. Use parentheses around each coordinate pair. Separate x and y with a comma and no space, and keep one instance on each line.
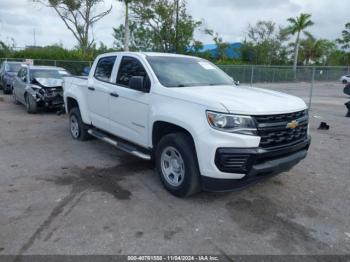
(281,117)
(274,130)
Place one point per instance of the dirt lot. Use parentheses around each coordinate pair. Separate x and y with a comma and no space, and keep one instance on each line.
(60,196)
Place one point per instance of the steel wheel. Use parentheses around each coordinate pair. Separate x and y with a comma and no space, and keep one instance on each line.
(74,126)
(173,166)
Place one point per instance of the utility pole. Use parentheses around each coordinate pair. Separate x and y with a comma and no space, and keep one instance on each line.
(126,25)
(34,37)
(127,31)
(176,28)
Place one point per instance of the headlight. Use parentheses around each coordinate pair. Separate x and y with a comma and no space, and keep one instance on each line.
(232,123)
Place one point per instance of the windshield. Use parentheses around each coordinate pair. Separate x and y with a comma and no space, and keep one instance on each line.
(44,73)
(187,71)
(12,67)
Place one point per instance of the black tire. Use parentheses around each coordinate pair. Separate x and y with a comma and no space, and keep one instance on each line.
(7,91)
(31,104)
(347,90)
(184,145)
(82,129)
(345,82)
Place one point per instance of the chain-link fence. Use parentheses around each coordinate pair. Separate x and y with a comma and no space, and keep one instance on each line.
(244,73)
(74,67)
(276,74)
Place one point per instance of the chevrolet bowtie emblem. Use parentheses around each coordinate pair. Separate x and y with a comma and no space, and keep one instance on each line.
(293,125)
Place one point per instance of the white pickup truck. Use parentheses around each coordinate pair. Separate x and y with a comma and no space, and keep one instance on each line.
(202,130)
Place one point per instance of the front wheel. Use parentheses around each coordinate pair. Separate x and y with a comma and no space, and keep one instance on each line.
(31,104)
(177,164)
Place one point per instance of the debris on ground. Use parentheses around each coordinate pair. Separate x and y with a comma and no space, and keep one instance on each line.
(323,126)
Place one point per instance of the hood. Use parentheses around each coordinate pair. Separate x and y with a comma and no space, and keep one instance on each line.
(242,99)
(48,82)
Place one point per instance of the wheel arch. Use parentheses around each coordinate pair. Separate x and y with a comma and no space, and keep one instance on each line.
(163,128)
(71,103)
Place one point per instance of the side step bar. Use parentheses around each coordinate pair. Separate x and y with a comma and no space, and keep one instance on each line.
(126,147)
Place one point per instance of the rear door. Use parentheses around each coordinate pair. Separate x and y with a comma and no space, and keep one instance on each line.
(129,108)
(98,92)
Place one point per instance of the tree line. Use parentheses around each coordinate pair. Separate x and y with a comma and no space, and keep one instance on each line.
(167,26)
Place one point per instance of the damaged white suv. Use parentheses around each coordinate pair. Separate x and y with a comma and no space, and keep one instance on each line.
(202,130)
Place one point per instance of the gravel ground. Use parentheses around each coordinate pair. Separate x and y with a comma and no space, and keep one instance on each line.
(60,196)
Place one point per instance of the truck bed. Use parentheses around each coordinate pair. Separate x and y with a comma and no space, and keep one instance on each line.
(69,81)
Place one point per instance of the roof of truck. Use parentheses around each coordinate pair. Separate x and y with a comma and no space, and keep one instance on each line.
(144,54)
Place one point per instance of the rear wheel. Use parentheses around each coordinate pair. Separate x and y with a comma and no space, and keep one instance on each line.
(177,165)
(78,130)
(31,104)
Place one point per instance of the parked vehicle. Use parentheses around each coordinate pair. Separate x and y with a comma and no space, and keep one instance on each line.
(345,79)
(347,89)
(39,87)
(202,131)
(8,71)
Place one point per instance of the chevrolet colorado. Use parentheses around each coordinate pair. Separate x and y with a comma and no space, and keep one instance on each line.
(202,130)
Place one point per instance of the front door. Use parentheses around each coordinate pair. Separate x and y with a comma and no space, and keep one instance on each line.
(129,109)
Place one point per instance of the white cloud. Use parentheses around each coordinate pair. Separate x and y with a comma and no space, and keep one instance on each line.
(19,18)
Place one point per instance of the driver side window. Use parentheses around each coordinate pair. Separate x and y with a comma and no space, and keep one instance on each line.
(130,67)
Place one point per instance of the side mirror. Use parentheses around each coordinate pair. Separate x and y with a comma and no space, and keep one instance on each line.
(86,71)
(137,83)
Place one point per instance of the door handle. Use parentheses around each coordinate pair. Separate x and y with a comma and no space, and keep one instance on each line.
(91,88)
(114,94)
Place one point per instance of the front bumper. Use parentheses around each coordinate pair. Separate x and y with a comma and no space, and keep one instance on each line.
(259,164)
(50,102)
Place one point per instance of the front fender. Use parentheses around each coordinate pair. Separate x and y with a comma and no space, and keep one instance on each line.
(189,116)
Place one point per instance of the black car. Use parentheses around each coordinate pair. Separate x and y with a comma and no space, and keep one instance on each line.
(8,71)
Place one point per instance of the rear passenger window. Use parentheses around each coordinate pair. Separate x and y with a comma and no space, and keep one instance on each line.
(104,68)
(129,67)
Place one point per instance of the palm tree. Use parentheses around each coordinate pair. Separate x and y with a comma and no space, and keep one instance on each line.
(297,26)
